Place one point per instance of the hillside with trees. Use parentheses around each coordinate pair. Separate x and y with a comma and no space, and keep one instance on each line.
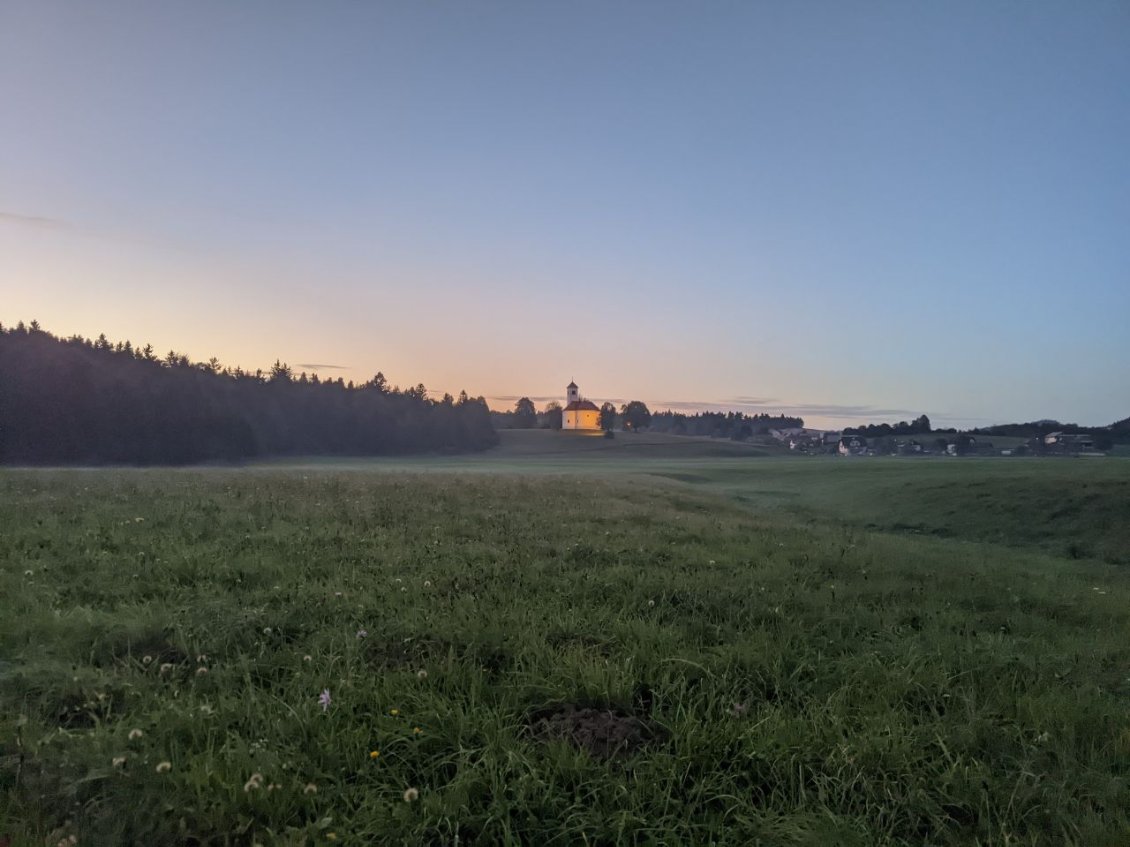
(1104,436)
(76,401)
(734,425)
(918,426)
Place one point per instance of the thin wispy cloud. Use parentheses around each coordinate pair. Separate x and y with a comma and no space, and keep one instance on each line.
(318,366)
(855,412)
(63,226)
(754,401)
(760,405)
(536,398)
(35,221)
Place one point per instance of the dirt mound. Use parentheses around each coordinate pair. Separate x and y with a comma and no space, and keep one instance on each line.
(604,733)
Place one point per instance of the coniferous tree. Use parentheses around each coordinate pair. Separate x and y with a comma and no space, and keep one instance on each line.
(72,401)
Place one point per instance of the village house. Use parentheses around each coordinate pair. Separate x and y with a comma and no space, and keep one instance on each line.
(852,445)
(1069,442)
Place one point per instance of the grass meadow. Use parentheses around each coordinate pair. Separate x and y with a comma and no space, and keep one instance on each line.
(684,649)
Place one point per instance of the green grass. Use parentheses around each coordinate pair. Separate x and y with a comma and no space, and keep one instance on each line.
(1072,507)
(1076,508)
(777,671)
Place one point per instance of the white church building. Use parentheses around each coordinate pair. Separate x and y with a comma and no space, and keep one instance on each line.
(578,414)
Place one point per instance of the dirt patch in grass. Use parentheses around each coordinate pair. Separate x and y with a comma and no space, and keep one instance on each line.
(603,733)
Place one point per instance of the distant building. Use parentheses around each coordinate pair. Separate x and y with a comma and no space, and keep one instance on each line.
(578,414)
(852,445)
(802,439)
(1069,442)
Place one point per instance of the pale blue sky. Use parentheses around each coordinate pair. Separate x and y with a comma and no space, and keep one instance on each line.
(848,209)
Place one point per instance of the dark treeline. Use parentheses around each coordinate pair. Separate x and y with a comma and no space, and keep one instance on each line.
(734,425)
(1118,432)
(76,401)
(918,426)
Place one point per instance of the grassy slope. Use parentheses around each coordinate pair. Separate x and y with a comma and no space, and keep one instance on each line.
(1070,507)
(549,450)
(1077,508)
(891,688)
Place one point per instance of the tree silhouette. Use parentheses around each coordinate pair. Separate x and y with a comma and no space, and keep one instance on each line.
(607,417)
(525,415)
(636,415)
(552,415)
(74,401)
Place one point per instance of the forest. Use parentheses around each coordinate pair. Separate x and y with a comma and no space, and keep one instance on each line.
(69,401)
(733,425)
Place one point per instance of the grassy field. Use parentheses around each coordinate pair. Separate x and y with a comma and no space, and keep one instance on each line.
(1071,507)
(659,647)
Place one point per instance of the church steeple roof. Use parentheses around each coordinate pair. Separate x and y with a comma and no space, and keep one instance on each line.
(571,385)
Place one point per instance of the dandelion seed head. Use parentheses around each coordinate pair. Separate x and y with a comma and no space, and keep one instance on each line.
(201,671)
(421,674)
(166,667)
(134,734)
(164,767)
(310,788)
(411,795)
(118,761)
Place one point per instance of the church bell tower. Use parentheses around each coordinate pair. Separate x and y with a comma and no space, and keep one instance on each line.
(572,393)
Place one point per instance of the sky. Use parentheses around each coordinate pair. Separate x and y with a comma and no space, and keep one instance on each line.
(853,212)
